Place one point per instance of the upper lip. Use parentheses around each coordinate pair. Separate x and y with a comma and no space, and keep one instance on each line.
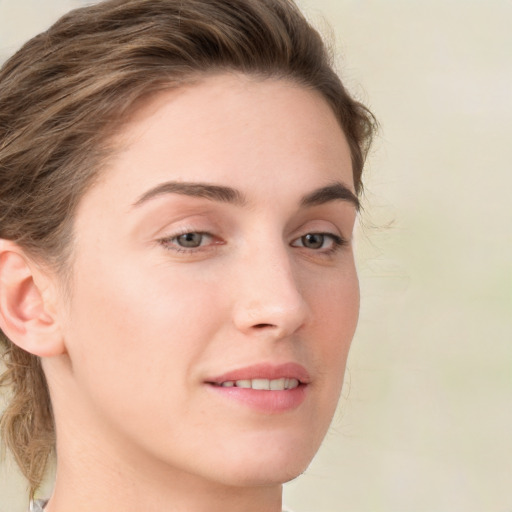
(264,371)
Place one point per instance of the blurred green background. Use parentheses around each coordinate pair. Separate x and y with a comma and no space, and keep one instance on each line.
(425,422)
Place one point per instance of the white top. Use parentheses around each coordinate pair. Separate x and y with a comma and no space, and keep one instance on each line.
(37,505)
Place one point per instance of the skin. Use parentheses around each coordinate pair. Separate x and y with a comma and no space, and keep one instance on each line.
(149,321)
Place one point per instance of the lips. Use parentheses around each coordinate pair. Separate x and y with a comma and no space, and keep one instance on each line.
(264,388)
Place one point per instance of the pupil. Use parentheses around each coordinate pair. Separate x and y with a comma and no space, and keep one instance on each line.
(190,240)
(313,241)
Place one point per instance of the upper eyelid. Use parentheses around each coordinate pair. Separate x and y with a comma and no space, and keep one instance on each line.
(171,232)
(320,227)
(209,222)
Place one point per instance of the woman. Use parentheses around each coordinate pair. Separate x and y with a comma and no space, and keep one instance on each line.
(179,184)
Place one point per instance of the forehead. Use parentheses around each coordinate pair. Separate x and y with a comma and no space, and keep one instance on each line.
(231,129)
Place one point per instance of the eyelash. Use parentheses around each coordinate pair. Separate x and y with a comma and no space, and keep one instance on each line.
(170,242)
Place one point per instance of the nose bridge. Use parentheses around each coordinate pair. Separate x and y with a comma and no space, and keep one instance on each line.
(268,292)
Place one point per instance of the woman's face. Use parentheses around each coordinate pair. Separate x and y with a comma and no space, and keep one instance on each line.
(211,259)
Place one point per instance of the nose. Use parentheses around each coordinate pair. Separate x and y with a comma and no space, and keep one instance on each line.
(268,296)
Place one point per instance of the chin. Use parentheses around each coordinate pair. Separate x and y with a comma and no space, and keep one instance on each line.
(269,462)
(266,477)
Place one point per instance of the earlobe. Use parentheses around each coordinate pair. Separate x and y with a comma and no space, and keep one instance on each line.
(27,317)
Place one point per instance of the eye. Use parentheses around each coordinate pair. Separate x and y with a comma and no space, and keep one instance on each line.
(187,241)
(317,241)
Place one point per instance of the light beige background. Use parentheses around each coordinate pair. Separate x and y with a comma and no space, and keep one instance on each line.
(426,419)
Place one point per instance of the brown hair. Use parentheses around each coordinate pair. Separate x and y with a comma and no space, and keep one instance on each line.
(69,87)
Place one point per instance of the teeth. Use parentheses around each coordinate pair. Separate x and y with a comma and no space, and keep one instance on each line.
(277,385)
(293,383)
(263,384)
(260,384)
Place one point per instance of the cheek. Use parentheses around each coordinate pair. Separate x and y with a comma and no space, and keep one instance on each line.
(336,315)
(336,304)
(134,344)
(126,326)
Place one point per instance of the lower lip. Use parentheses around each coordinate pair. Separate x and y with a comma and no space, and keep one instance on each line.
(269,402)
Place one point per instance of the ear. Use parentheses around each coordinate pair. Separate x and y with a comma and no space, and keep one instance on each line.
(27,303)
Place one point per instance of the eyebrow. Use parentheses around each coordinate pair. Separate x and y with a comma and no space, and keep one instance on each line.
(204,190)
(334,192)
